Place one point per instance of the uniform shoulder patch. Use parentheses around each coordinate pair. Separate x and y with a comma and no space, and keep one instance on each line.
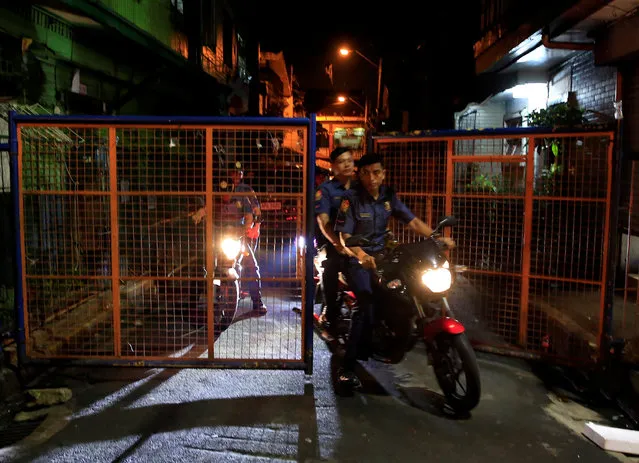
(345,205)
(318,195)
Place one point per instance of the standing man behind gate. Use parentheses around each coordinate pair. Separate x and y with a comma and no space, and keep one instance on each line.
(328,198)
(242,213)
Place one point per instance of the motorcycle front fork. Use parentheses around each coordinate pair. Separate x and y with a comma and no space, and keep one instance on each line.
(444,312)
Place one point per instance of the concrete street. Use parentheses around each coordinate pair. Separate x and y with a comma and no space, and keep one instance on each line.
(251,416)
(204,415)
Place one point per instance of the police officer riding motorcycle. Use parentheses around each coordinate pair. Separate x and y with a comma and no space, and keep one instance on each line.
(366,211)
(328,198)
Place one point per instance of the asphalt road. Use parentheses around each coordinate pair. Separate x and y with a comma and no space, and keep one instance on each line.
(193,415)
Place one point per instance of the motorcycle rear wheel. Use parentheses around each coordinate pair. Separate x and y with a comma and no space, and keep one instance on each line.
(453,356)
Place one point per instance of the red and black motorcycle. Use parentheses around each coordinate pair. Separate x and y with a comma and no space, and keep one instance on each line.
(411,283)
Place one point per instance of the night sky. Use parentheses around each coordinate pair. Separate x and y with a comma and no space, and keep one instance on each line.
(427,50)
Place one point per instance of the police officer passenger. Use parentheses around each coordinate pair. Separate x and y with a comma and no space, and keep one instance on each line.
(328,197)
(367,209)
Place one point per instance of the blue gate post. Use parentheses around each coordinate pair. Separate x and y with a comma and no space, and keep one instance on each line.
(310,248)
(15,192)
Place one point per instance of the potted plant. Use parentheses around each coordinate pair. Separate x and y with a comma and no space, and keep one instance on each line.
(551,150)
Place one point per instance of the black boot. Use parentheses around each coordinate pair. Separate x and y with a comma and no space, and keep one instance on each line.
(348,378)
(259,307)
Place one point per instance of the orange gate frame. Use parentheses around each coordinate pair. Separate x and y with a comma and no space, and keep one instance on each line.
(441,153)
(304,227)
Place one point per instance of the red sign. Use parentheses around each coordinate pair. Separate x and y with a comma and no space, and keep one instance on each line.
(272,206)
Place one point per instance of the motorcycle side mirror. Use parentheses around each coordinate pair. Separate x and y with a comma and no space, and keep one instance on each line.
(356,240)
(447,221)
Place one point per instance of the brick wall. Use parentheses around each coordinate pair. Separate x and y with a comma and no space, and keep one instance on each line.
(489,115)
(595,85)
(485,116)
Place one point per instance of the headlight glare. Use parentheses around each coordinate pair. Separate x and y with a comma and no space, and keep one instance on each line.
(231,247)
(437,280)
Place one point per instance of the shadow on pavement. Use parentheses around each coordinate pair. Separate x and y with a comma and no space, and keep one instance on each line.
(122,419)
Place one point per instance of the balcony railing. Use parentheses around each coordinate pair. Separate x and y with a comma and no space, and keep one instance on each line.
(213,64)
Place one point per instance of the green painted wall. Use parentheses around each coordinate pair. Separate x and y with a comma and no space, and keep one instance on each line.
(59,55)
(55,55)
(152,16)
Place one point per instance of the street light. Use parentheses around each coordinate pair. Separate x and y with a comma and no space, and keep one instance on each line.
(342,99)
(346,51)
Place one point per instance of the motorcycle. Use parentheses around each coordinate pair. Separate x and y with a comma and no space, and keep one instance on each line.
(229,245)
(411,283)
(226,281)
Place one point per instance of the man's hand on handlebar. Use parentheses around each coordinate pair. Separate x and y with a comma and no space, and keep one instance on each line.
(368,262)
(449,242)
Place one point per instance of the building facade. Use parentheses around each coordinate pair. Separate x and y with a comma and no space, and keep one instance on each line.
(160,57)
(123,57)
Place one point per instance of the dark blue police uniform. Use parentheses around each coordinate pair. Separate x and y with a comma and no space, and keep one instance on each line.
(235,207)
(252,200)
(328,198)
(359,213)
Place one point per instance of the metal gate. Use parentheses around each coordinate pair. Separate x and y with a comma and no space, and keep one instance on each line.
(121,224)
(533,231)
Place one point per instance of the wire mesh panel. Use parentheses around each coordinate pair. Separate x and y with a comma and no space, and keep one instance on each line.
(183,244)
(487,190)
(161,180)
(488,304)
(532,231)
(569,234)
(417,172)
(273,164)
(66,240)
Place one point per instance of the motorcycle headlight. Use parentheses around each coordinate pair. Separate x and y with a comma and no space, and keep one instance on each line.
(437,280)
(231,248)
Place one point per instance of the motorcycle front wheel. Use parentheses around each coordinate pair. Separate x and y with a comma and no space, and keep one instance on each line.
(453,358)
(227,297)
